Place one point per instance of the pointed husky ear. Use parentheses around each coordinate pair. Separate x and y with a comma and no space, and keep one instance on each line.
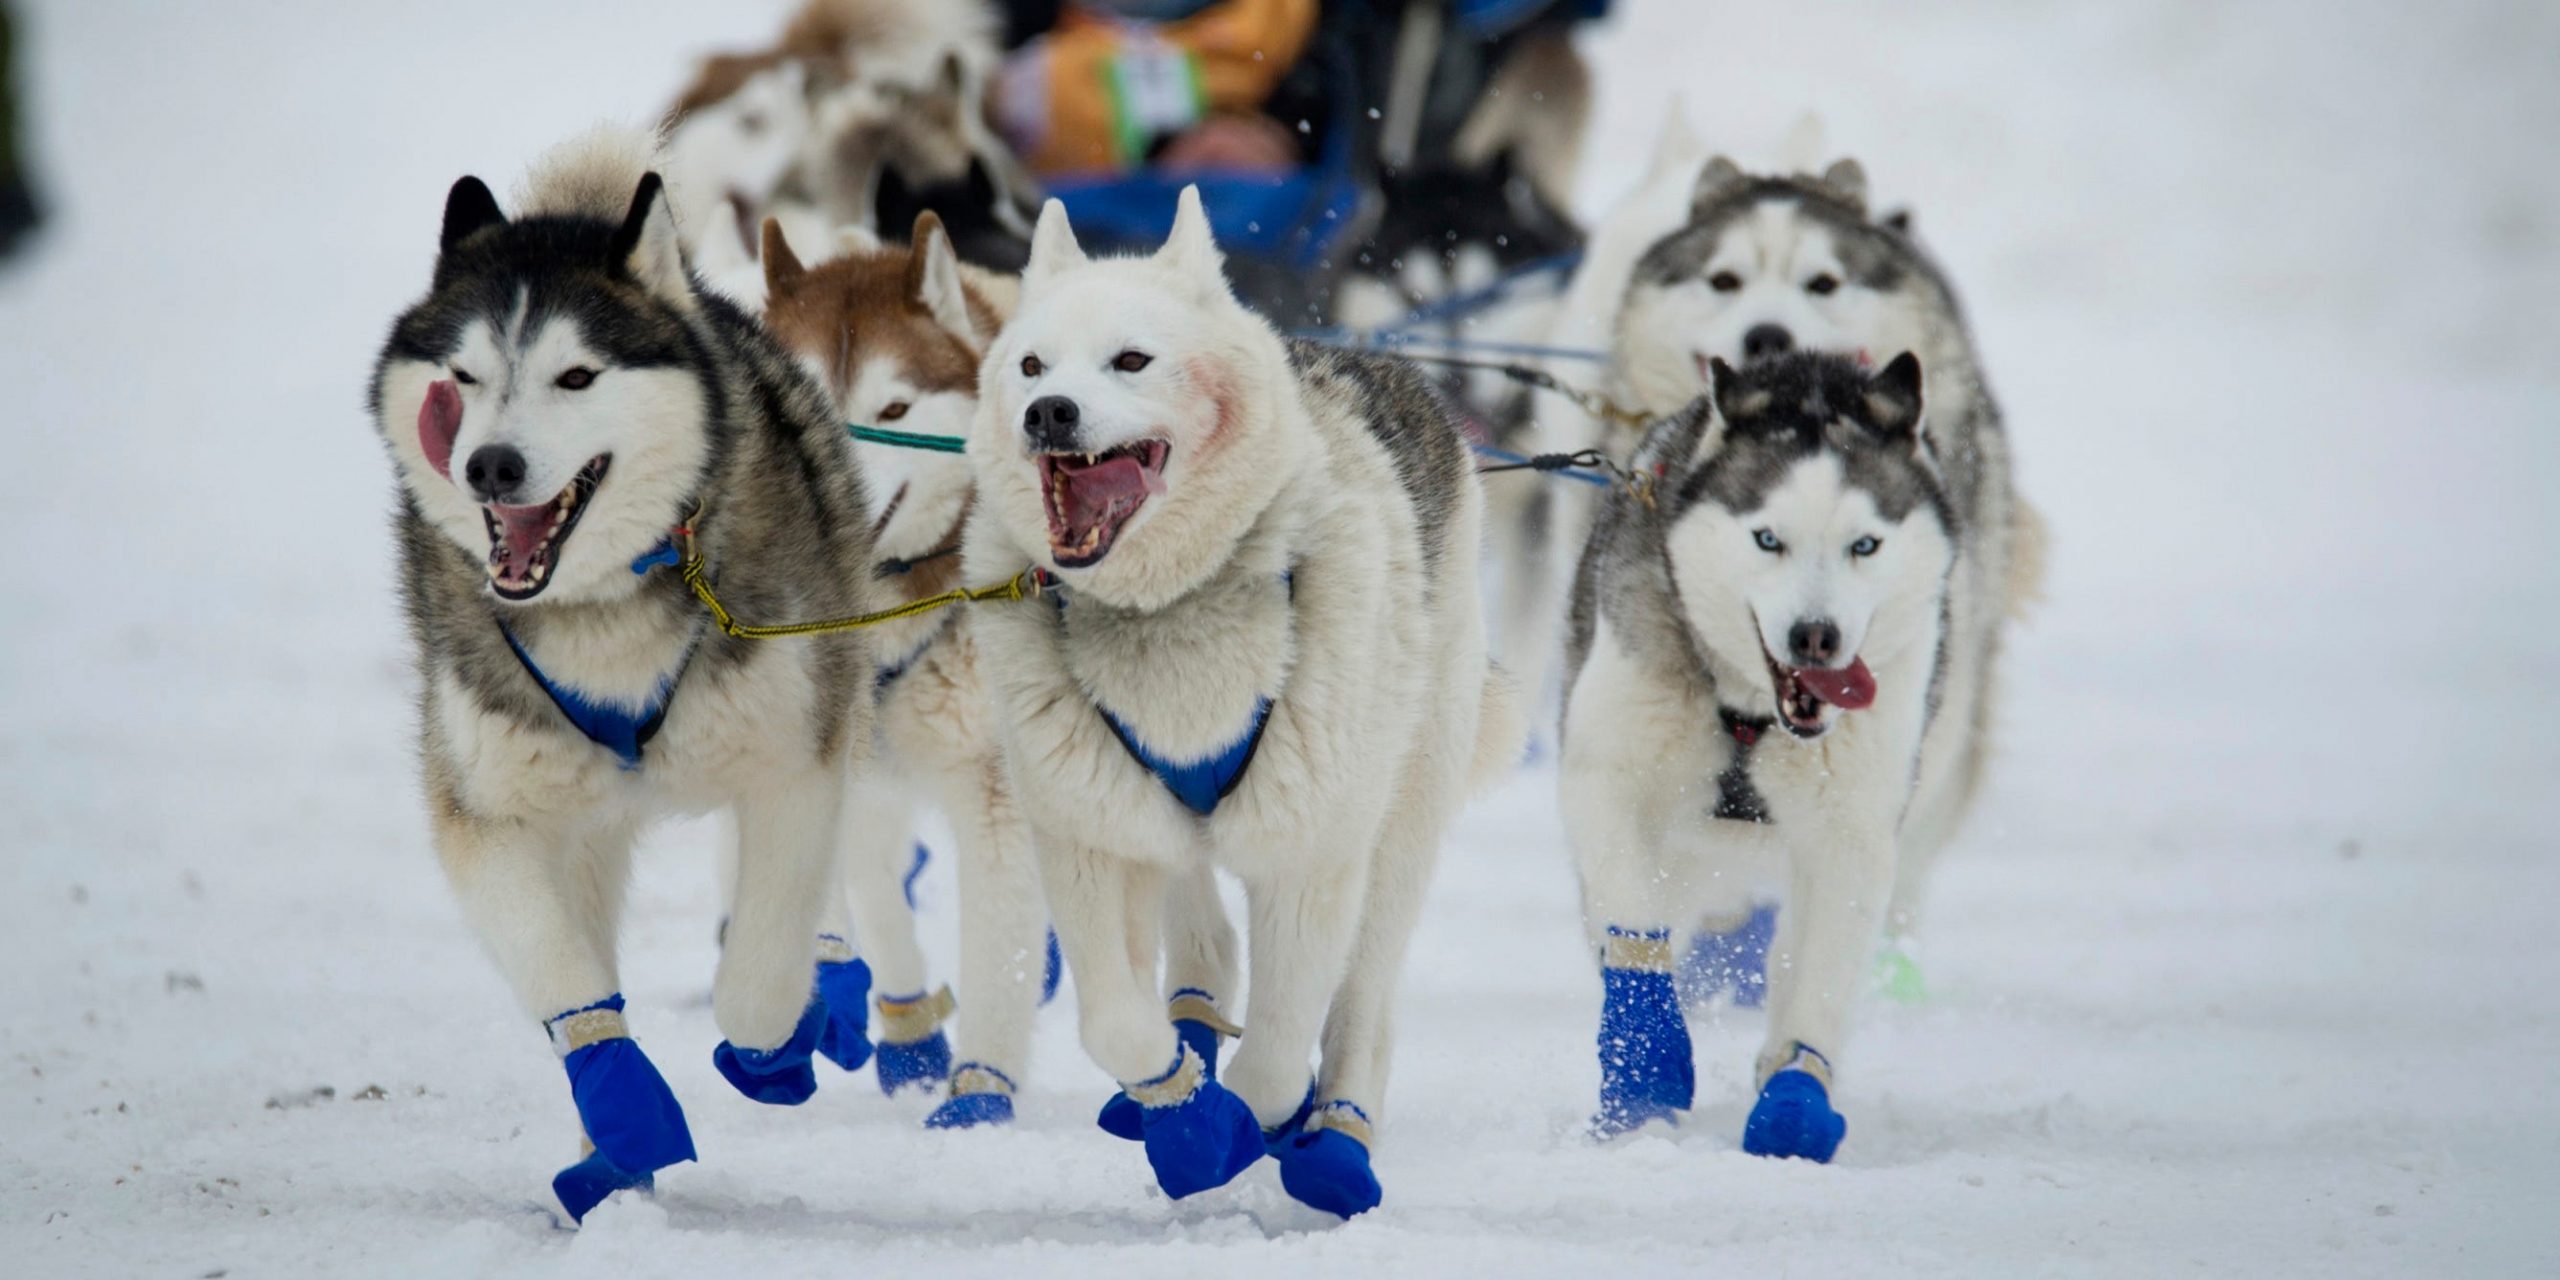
(467,208)
(1733,403)
(1893,397)
(1053,246)
(781,266)
(1720,175)
(933,278)
(645,245)
(1847,180)
(1192,249)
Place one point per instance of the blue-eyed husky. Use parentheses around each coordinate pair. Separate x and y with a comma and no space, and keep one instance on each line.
(1775,677)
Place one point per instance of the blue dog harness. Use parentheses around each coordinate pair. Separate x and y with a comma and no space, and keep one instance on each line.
(624,732)
(1199,784)
(620,730)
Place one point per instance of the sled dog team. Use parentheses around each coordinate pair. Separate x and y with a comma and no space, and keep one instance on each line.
(1245,635)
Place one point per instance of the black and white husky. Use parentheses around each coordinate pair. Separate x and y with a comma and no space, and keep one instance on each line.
(562,399)
(1778,655)
(1268,659)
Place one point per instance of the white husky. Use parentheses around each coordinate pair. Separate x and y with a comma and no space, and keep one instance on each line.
(1266,656)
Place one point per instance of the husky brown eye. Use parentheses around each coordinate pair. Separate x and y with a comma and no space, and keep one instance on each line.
(897,409)
(1724,282)
(578,379)
(1822,285)
(1131,361)
(463,377)
(1031,366)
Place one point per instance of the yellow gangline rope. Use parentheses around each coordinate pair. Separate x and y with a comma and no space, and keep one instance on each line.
(1025,585)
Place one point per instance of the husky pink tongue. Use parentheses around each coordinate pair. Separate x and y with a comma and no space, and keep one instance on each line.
(1851,688)
(439,421)
(522,530)
(1092,493)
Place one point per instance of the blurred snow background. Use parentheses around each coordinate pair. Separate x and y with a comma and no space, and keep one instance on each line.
(2245,965)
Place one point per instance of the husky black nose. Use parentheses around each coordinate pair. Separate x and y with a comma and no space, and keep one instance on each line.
(1051,424)
(1766,340)
(494,472)
(1813,644)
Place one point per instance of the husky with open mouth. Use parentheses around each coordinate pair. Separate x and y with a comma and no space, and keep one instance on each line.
(1265,655)
(1763,650)
(565,409)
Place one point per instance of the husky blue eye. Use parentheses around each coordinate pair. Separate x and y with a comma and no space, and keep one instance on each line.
(1767,541)
(1865,546)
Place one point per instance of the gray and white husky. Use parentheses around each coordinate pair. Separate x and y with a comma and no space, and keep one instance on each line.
(1779,659)
(1267,657)
(1771,264)
(561,401)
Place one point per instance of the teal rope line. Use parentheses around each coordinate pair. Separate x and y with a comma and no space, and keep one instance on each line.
(906,439)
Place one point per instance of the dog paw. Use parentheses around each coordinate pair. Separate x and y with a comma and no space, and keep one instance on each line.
(1646,1071)
(970,1110)
(624,1105)
(1794,1119)
(1201,1142)
(1735,960)
(590,1182)
(845,988)
(1328,1170)
(780,1076)
(922,1062)
(1898,977)
(1122,1118)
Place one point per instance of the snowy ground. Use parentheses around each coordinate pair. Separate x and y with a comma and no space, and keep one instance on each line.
(2245,965)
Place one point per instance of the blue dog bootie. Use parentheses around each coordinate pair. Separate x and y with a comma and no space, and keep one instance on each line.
(1198,1135)
(912,1049)
(782,1076)
(1326,1164)
(1198,1024)
(1645,1069)
(1793,1117)
(1277,1136)
(1735,959)
(633,1125)
(1053,969)
(844,986)
(980,1095)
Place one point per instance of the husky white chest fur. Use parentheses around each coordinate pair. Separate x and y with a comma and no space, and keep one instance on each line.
(1265,656)
(562,399)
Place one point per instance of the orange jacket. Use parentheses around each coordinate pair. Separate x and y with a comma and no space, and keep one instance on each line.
(1096,92)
